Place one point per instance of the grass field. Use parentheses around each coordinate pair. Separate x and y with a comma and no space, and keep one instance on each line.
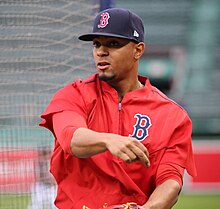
(198,202)
(14,201)
(185,202)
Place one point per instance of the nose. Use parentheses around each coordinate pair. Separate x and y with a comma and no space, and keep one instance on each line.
(102,51)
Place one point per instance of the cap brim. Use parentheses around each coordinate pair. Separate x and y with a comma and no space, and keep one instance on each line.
(91,36)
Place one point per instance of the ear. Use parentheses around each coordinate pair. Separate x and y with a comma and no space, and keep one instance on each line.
(139,50)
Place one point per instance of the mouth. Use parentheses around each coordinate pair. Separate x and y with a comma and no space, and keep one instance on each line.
(102,65)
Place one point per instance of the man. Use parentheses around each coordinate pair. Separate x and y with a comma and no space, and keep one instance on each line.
(117,138)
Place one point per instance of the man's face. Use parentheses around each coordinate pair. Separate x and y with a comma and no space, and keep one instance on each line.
(114,57)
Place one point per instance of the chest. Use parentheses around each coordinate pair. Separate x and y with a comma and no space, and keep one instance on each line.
(138,118)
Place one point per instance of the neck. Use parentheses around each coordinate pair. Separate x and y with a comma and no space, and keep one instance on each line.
(123,89)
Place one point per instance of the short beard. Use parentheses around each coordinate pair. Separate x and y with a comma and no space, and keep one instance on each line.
(106,78)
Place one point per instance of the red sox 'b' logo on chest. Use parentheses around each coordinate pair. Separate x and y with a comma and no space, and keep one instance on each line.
(104,20)
(141,127)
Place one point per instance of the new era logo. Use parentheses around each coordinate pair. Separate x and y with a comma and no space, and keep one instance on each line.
(136,34)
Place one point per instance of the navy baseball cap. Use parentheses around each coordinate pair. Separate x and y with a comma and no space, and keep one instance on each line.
(117,22)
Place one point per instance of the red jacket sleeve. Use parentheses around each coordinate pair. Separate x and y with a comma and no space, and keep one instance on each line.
(178,154)
(69,105)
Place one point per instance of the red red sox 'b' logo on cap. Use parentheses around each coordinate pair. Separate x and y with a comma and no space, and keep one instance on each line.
(104,20)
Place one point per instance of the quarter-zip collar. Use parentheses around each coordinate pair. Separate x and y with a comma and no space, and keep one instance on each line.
(106,88)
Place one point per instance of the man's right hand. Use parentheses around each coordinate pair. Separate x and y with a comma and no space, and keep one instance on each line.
(128,149)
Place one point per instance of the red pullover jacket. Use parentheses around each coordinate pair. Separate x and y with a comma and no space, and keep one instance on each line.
(147,114)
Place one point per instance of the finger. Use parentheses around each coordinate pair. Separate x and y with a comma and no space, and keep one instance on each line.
(142,147)
(144,159)
(140,151)
(123,156)
(142,156)
(131,155)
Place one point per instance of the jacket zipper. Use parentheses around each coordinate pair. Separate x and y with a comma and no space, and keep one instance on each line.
(119,106)
(119,117)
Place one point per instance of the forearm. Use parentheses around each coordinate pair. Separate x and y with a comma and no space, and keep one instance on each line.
(86,143)
(75,138)
(164,196)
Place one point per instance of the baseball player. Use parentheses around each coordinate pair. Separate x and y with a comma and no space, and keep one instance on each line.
(118,139)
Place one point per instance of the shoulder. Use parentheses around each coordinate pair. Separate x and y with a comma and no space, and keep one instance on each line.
(88,83)
(159,95)
(78,86)
(158,99)
(168,105)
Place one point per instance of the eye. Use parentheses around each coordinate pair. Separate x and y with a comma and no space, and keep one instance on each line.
(96,44)
(114,44)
